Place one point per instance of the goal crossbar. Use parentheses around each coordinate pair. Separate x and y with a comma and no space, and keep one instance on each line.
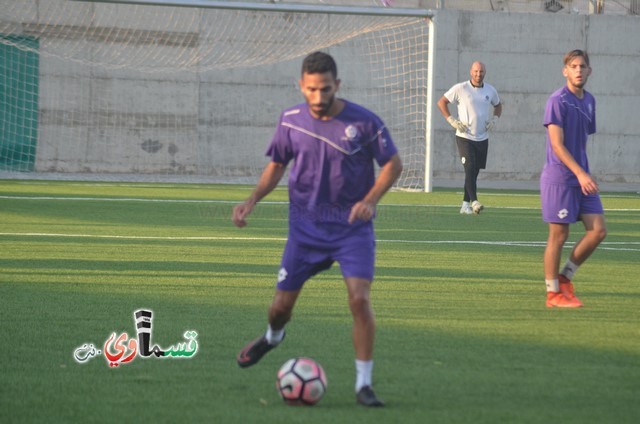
(280,7)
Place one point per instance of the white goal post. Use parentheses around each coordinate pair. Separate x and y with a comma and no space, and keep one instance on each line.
(190,90)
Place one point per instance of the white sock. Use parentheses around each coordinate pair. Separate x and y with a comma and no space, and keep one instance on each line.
(274,336)
(569,269)
(552,285)
(363,374)
(465,204)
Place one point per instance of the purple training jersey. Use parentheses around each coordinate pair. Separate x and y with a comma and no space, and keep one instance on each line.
(577,118)
(332,166)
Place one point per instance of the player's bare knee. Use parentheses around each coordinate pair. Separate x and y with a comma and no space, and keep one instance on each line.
(558,237)
(359,304)
(600,234)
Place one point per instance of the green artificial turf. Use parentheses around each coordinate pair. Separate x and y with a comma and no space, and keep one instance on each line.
(463,333)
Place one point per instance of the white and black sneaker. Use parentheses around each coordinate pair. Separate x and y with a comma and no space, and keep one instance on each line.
(476,207)
(466,209)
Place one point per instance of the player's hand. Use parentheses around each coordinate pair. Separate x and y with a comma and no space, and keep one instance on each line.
(588,184)
(491,123)
(240,213)
(458,125)
(362,211)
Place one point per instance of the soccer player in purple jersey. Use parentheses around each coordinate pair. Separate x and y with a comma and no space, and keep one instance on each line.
(333,193)
(568,192)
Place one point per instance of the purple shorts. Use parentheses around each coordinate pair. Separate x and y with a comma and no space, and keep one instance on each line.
(565,204)
(355,254)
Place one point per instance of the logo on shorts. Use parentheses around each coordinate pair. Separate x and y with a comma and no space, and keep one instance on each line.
(282,275)
(463,160)
(562,214)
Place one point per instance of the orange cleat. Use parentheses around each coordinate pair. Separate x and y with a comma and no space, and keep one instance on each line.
(559,300)
(566,288)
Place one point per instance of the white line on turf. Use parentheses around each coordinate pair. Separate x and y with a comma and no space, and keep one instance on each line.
(135,199)
(603,245)
(111,236)
(117,199)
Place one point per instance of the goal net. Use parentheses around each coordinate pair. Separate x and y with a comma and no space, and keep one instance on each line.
(163,92)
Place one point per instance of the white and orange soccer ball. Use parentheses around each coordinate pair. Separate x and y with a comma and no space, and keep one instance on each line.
(301,381)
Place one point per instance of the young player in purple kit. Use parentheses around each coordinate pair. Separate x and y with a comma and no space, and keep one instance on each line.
(567,190)
(333,194)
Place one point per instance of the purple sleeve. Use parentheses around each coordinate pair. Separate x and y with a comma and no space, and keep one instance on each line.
(280,147)
(383,146)
(554,112)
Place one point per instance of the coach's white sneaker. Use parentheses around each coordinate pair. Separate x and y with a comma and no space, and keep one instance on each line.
(466,209)
(476,207)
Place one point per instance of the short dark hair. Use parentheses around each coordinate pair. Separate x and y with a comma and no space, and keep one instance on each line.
(319,63)
(576,53)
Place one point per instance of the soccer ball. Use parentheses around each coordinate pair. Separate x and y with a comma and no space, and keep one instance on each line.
(301,381)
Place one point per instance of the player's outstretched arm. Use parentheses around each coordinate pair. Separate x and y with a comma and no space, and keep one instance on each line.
(271,176)
(389,173)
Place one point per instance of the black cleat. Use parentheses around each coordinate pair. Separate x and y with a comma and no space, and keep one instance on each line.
(367,397)
(254,351)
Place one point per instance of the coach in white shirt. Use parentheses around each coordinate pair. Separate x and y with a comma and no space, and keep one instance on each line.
(479,108)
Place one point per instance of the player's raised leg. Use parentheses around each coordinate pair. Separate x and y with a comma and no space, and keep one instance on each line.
(596,231)
(558,234)
(279,314)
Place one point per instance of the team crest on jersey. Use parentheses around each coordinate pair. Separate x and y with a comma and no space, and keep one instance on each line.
(351,132)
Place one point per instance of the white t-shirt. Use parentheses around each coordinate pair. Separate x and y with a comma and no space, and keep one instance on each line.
(474,108)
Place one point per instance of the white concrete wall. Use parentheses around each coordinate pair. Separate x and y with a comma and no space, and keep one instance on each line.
(190,118)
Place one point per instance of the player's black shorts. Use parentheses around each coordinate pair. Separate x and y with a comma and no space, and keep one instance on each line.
(473,152)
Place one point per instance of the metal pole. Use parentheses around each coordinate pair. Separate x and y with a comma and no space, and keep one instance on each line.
(596,7)
(428,163)
(280,7)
